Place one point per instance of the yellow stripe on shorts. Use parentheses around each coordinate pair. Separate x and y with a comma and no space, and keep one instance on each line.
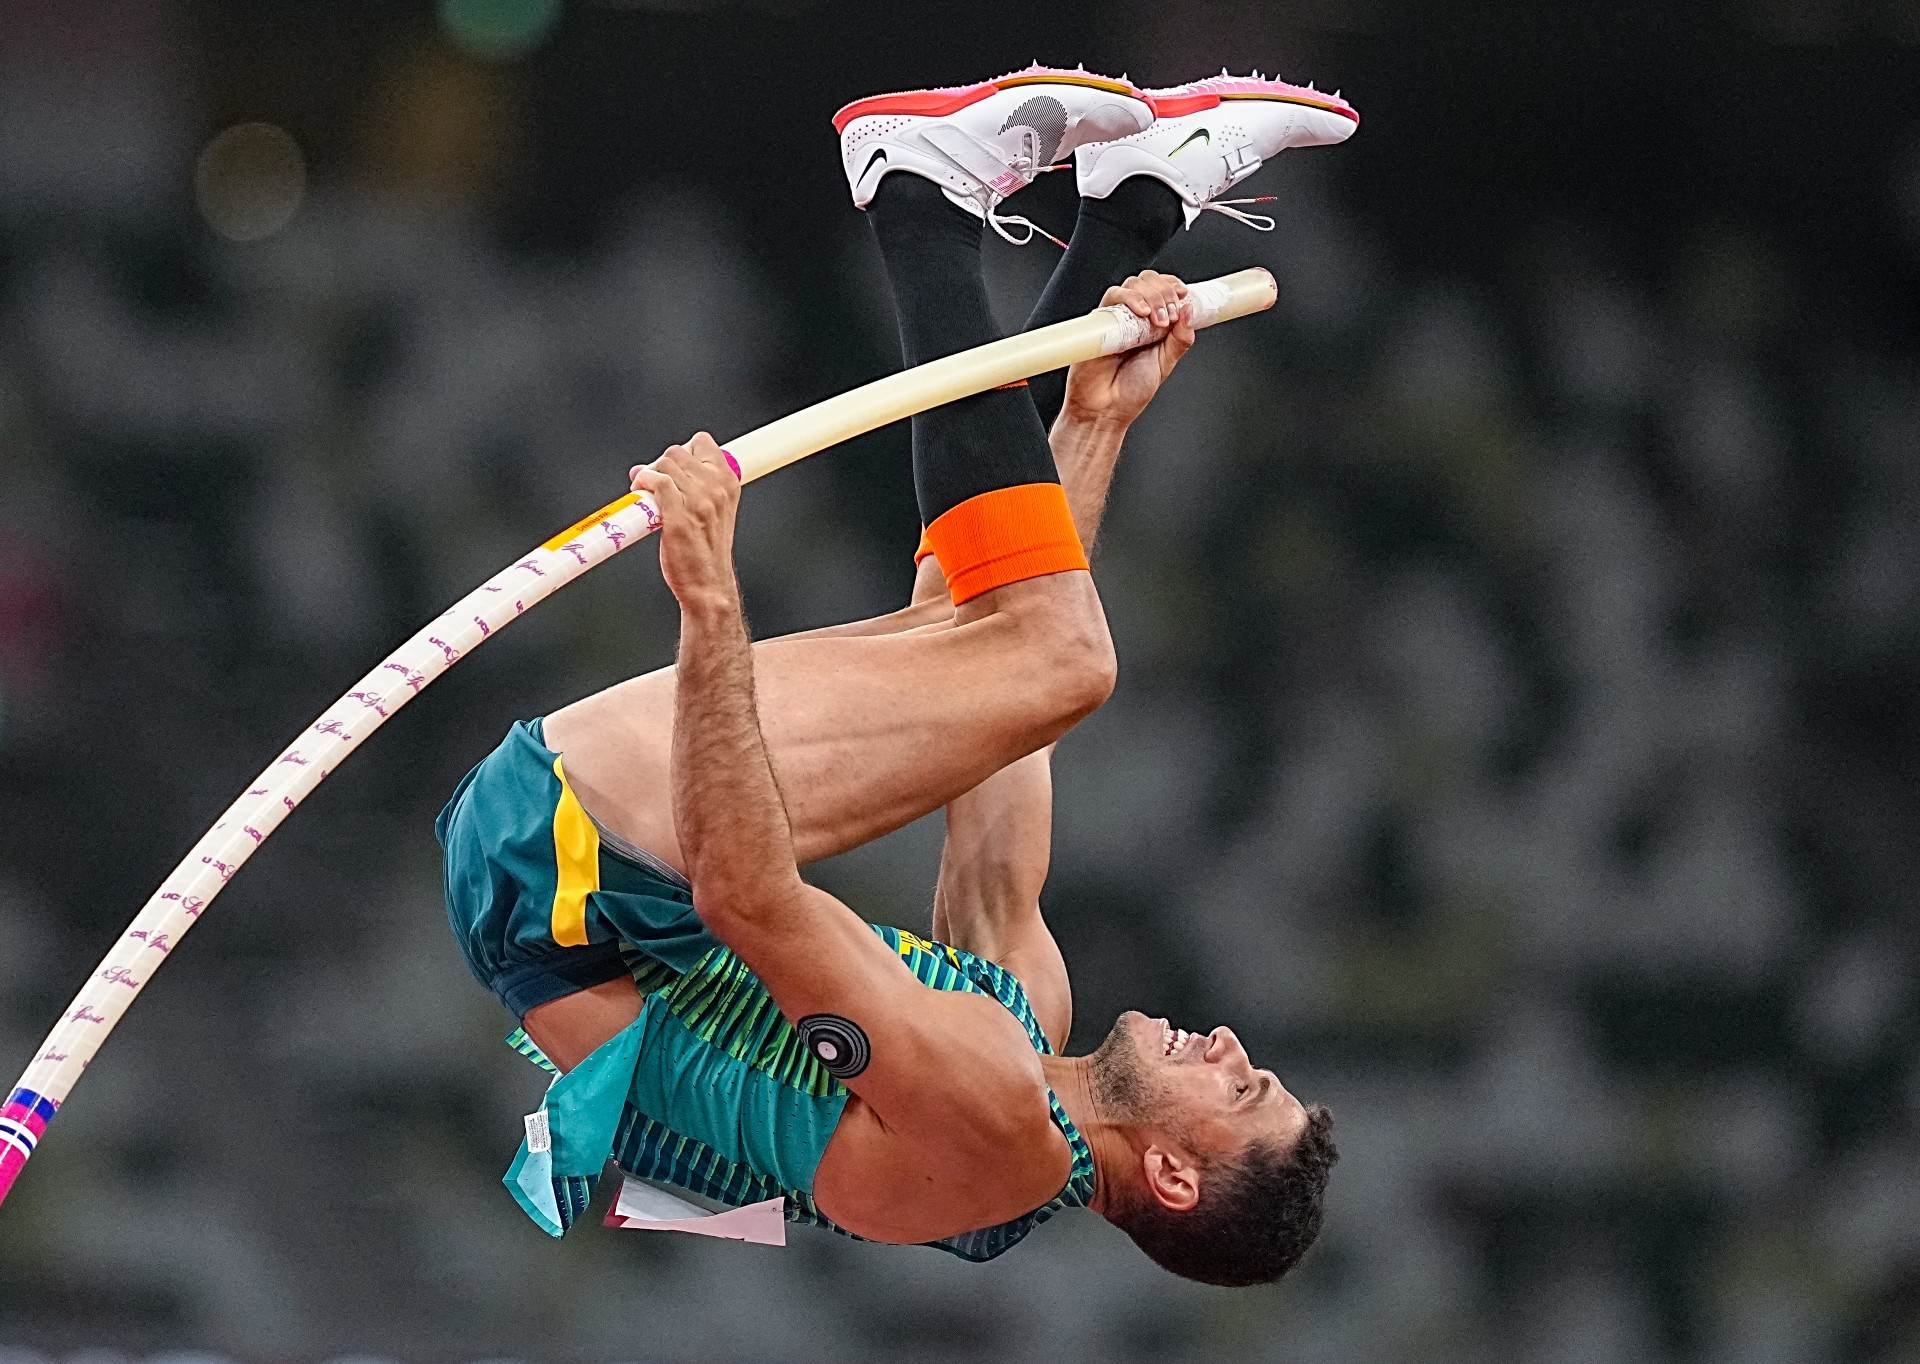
(576,860)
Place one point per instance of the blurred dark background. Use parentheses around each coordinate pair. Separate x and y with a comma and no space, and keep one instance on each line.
(1517,738)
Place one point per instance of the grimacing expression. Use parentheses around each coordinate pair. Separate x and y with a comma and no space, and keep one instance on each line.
(1200,1089)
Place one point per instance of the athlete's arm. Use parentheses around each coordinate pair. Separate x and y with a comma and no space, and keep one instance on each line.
(815,956)
(1107,394)
(999,838)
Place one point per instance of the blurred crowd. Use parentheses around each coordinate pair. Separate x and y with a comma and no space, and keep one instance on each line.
(1516,739)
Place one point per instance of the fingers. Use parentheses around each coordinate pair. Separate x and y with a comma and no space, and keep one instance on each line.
(1150,295)
(1179,341)
(659,485)
(656,486)
(706,450)
(698,474)
(715,477)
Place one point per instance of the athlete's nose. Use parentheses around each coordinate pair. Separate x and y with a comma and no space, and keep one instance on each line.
(1223,1045)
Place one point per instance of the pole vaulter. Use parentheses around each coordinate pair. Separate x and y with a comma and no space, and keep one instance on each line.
(318,751)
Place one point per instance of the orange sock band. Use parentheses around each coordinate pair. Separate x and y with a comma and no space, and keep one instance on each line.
(1005,536)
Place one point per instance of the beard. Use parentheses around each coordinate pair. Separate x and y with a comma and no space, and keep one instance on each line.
(1120,1083)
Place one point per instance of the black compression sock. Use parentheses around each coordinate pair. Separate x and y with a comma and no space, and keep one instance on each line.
(991,440)
(1113,238)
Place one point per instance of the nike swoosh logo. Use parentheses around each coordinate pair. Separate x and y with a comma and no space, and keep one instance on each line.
(1199,135)
(880,155)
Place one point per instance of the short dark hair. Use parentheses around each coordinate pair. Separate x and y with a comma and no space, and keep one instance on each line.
(1258,1212)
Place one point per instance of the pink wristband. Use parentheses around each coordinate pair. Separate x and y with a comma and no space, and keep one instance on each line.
(732,463)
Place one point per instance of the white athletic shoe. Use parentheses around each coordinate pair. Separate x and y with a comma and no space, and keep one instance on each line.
(1211,135)
(981,143)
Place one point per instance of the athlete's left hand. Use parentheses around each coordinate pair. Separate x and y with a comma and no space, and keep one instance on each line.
(1115,389)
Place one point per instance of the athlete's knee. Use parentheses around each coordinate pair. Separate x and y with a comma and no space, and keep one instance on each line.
(1052,636)
(1088,669)
(1069,651)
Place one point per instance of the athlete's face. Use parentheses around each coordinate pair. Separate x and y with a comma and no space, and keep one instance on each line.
(1197,1091)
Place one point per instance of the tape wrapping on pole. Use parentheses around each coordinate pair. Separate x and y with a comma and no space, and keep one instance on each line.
(319,750)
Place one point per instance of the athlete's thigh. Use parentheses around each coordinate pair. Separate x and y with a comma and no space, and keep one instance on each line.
(865,733)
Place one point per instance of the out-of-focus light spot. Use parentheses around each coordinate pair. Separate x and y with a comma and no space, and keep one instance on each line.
(249,181)
(497,30)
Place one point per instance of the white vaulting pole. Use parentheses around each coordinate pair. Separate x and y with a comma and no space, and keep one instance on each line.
(320,749)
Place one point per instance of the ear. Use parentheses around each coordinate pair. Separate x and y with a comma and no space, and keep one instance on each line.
(1173,1181)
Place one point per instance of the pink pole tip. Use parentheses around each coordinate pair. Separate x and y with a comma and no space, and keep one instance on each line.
(12,1162)
(732,463)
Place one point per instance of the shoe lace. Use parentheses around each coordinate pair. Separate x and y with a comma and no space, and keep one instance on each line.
(1259,222)
(1001,223)
(1228,208)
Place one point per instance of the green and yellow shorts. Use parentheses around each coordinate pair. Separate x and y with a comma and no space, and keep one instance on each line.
(539,902)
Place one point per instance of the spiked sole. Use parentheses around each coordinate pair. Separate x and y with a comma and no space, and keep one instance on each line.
(939,103)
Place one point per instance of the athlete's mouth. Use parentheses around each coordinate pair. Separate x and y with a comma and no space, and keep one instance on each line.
(1172,1039)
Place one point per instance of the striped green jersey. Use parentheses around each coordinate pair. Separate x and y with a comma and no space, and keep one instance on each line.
(727,1103)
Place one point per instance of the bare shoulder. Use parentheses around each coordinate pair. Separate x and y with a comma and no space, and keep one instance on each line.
(971,1080)
(977,1148)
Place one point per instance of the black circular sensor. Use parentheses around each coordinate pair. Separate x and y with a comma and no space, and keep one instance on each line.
(838,1043)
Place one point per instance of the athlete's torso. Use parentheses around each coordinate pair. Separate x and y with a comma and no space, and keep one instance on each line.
(727,1103)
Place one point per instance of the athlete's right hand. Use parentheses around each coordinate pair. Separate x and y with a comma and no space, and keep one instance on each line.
(698,495)
(1116,389)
